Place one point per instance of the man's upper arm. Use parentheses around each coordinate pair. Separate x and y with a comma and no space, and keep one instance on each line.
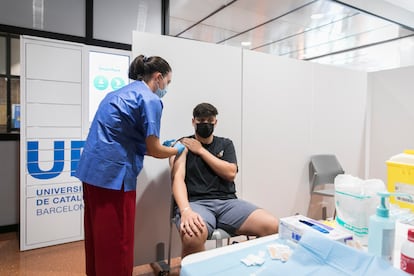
(178,166)
(229,152)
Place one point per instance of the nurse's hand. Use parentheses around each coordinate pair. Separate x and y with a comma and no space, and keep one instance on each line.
(180,148)
(168,143)
(175,144)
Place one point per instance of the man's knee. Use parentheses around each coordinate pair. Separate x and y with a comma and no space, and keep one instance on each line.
(260,223)
(195,240)
(193,244)
(271,226)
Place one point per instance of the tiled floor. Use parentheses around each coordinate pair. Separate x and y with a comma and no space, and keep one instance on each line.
(59,260)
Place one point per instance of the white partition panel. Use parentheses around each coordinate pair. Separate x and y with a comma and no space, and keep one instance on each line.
(53,92)
(53,115)
(392,116)
(292,109)
(46,132)
(50,197)
(201,73)
(60,64)
(338,117)
(277,104)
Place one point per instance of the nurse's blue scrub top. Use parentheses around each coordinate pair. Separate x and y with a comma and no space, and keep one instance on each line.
(114,150)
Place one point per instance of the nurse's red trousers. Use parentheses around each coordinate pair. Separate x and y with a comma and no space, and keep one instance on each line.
(109,219)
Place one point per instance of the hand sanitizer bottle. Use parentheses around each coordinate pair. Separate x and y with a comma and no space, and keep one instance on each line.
(381,231)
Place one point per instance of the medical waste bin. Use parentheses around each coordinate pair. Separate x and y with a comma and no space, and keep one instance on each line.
(400,172)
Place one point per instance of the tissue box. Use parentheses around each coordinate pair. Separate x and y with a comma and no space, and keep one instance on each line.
(293,228)
(400,170)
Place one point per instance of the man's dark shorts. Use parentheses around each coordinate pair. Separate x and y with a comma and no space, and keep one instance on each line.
(227,214)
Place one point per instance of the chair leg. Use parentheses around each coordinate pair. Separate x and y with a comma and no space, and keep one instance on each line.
(324,213)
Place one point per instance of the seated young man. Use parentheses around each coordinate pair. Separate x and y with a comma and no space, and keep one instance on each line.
(204,190)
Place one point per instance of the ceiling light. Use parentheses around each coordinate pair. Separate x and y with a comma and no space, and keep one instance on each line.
(246,43)
(317,15)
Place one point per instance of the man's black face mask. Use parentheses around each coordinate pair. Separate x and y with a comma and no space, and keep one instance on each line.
(204,130)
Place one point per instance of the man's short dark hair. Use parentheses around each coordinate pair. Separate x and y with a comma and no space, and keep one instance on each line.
(204,110)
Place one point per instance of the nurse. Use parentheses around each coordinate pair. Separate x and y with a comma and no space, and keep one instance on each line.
(125,128)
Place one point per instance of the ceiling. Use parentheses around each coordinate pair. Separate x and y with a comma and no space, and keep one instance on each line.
(324,31)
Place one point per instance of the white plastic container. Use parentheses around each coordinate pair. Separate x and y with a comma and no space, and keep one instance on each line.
(407,253)
(407,157)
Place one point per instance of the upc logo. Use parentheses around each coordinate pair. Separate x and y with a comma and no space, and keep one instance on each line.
(58,159)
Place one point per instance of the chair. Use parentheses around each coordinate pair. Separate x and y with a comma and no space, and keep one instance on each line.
(323,169)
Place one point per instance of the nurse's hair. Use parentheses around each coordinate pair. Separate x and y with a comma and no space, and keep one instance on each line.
(204,110)
(143,67)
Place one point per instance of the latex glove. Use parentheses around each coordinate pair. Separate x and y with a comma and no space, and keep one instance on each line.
(180,147)
(168,143)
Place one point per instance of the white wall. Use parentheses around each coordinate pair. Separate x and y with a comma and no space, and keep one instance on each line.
(392,117)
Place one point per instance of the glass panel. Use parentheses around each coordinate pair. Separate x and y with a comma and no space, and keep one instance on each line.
(3,102)
(2,55)
(141,15)
(15,103)
(15,57)
(66,17)
(21,16)
(59,16)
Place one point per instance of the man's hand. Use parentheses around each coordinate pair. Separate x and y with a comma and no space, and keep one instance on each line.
(191,223)
(193,145)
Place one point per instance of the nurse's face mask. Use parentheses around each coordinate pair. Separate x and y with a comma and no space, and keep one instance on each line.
(161,92)
(204,126)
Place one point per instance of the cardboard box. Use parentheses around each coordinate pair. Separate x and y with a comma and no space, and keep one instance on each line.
(400,174)
(293,228)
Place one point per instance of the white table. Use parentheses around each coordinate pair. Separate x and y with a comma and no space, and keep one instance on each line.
(227,260)
(328,258)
